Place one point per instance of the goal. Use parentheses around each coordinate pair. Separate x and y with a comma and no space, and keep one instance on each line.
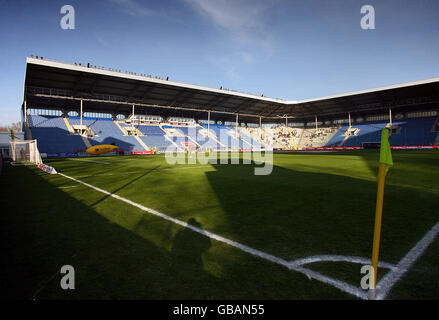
(25,151)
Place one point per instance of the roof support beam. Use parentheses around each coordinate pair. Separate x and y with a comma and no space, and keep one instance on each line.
(24,112)
(77,83)
(148,91)
(134,89)
(247,104)
(142,105)
(185,94)
(213,99)
(94,85)
(236,128)
(275,110)
(220,102)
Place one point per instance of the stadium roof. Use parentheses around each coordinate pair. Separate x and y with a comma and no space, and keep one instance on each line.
(50,84)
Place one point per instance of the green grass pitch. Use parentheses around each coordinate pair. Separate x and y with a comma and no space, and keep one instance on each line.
(311,204)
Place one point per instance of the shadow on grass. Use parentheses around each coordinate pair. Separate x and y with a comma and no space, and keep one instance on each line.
(294,214)
(116,253)
(190,244)
(51,229)
(126,185)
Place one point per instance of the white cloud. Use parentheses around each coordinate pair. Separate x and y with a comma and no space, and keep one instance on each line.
(133,8)
(231,63)
(243,20)
(101,40)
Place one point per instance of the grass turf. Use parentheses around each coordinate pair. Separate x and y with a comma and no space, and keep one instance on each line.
(310,204)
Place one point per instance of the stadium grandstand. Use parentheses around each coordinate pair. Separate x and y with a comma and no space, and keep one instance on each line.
(68,108)
(246,223)
(256,154)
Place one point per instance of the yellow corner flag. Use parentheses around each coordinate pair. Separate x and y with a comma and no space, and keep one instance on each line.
(386,162)
(385,153)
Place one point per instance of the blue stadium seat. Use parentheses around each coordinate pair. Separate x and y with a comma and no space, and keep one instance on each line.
(416,131)
(53,136)
(107,133)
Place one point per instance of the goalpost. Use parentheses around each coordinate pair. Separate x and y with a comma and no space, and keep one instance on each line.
(25,151)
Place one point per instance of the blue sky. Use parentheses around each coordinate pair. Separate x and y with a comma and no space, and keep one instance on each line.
(281,48)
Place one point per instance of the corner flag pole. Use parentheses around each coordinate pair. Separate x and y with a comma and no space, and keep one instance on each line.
(385,162)
(378,220)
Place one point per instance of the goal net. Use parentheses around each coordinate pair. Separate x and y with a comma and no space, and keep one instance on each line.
(23,151)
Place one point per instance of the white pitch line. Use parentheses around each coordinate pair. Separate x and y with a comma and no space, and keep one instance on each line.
(341,285)
(386,284)
(106,174)
(130,172)
(88,160)
(181,168)
(383,287)
(338,258)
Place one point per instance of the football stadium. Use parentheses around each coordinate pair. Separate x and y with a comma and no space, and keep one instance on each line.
(219,158)
(210,193)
